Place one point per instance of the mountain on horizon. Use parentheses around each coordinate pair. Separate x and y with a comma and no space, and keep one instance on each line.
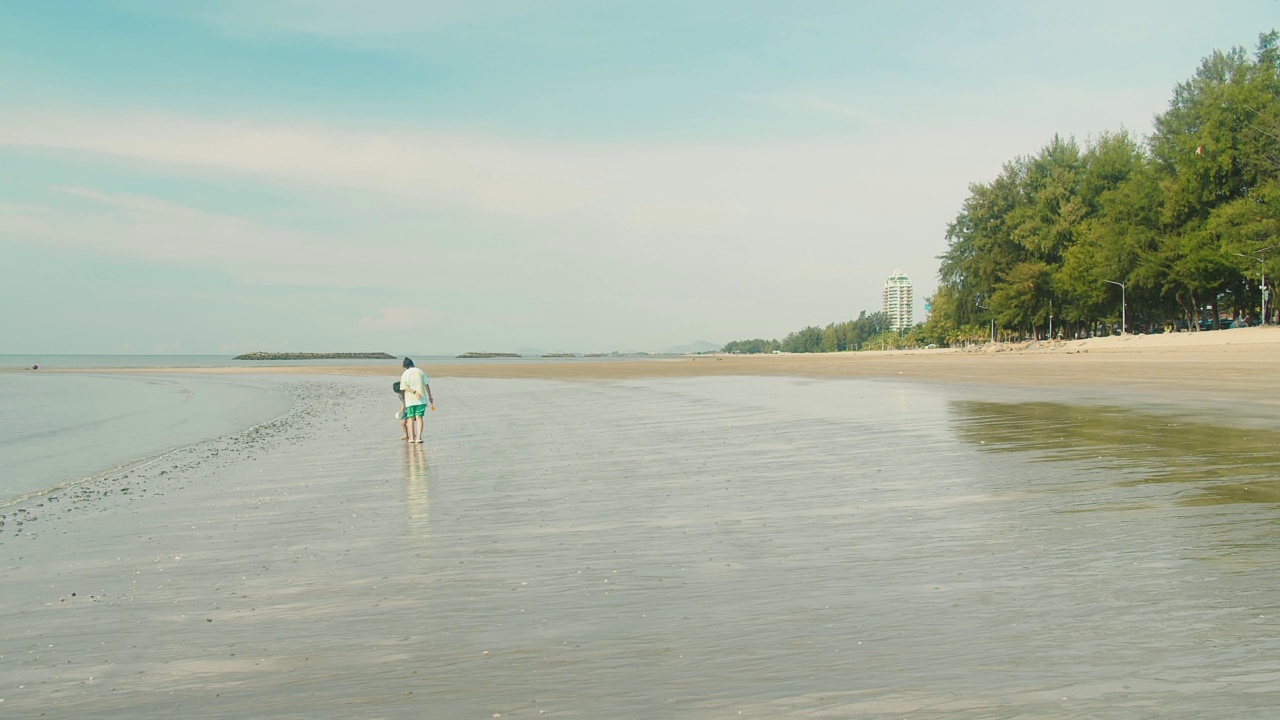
(700,346)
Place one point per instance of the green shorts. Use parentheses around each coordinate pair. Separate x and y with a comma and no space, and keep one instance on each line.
(414,411)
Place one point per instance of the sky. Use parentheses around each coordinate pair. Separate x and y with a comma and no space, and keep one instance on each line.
(411,176)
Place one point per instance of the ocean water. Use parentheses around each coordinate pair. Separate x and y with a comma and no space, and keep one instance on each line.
(709,547)
(73,362)
(59,429)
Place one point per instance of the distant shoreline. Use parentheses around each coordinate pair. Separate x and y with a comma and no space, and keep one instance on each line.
(1219,367)
(313,356)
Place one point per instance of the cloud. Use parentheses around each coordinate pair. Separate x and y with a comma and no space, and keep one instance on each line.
(751,189)
(826,184)
(396,318)
(485,173)
(164,233)
(843,110)
(535,217)
(516,217)
(806,102)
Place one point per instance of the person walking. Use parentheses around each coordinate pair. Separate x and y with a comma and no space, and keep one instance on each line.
(417,394)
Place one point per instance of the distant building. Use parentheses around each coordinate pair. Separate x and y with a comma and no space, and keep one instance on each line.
(898,300)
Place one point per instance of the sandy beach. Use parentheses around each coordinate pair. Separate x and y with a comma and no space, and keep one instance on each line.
(1225,367)
(999,532)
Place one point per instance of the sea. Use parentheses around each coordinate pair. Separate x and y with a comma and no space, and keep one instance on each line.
(59,429)
(717,547)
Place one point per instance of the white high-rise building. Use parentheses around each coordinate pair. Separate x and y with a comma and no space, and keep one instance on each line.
(898,300)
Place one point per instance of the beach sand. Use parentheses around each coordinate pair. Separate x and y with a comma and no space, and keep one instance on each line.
(687,537)
(1238,367)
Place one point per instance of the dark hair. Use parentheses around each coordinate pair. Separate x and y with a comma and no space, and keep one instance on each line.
(395,387)
(408,363)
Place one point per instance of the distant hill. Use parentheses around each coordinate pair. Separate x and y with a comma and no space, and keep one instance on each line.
(701,346)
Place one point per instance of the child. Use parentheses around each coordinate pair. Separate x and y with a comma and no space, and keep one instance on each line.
(404,420)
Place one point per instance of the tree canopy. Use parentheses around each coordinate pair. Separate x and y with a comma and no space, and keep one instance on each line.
(1180,228)
(835,337)
(1176,231)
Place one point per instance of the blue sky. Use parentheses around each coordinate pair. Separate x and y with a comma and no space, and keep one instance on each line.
(214,176)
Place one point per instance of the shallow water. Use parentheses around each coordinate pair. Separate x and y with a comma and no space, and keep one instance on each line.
(26,362)
(65,428)
(715,547)
(80,362)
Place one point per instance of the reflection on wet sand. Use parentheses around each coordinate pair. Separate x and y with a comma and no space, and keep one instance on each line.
(1229,464)
(703,548)
(417,501)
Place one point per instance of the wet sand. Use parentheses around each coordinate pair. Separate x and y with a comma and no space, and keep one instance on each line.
(690,547)
(772,537)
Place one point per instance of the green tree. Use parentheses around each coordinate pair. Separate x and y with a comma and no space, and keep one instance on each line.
(1249,231)
(1123,197)
(1216,150)
(806,340)
(751,347)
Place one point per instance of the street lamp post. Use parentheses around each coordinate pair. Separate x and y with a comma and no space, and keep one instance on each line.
(1262,271)
(1123,305)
